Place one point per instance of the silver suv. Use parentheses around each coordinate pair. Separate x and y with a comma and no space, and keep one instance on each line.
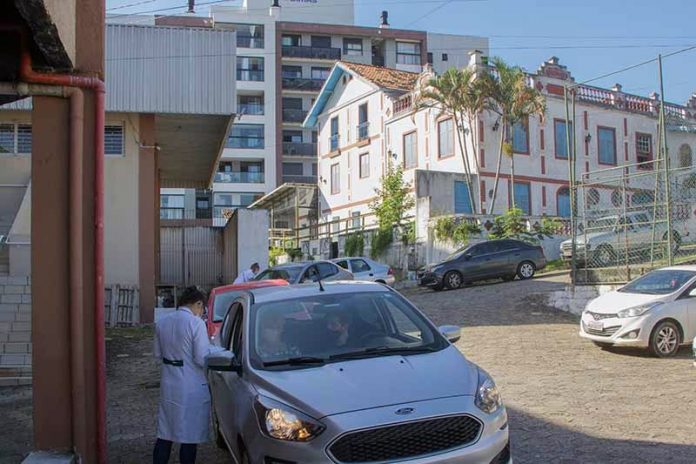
(347,373)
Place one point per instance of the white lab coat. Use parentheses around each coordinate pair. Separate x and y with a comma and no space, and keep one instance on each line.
(184,406)
(245,276)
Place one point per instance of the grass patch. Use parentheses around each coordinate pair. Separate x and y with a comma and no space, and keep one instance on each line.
(556,265)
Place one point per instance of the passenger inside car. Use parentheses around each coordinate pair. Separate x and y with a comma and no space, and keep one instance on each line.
(273,342)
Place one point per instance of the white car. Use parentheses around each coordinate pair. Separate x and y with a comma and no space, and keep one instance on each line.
(657,311)
(367,270)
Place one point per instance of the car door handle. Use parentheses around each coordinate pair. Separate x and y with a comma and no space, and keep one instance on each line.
(372,275)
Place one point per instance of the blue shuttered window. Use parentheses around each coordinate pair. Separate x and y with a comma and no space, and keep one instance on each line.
(462,205)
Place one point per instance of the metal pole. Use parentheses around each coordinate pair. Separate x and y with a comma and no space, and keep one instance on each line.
(571,186)
(663,146)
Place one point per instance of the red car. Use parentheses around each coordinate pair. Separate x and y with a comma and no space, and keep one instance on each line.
(221,298)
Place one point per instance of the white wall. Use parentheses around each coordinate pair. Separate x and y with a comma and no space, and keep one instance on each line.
(457,48)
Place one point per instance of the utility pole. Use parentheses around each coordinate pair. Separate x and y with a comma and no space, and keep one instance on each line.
(663,146)
(571,188)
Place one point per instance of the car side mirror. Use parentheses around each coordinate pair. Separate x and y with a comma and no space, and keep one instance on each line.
(451,332)
(222,361)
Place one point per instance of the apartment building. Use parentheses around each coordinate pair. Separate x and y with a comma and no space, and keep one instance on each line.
(613,129)
(285,51)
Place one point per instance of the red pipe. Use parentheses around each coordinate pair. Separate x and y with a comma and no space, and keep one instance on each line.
(27,74)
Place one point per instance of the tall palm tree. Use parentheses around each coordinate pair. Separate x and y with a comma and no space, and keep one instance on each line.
(510,96)
(452,93)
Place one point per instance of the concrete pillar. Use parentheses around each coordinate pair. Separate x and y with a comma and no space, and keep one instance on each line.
(148,216)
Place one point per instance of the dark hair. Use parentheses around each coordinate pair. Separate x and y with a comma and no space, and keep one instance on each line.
(343,316)
(255,265)
(191,295)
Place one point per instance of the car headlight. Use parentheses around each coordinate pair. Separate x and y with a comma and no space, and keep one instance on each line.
(638,310)
(284,423)
(488,397)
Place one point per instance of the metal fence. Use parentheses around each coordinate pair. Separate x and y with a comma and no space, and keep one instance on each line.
(191,256)
(631,219)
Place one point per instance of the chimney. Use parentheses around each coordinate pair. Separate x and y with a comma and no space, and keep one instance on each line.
(275,4)
(475,59)
(192,6)
(617,88)
(275,9)
(384,20)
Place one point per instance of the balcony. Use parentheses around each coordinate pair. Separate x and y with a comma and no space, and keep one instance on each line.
(294,115)
(250,109)
(312,53)
(240,177)
(300,149)
(299,83)
(363,131)
(250,75)
(300,179)
(249,41)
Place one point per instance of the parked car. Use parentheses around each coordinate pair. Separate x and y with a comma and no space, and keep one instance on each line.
(310,271)
(504,259)
(607,239)
(368,270)
(221,298)
(349,372)
(657,311)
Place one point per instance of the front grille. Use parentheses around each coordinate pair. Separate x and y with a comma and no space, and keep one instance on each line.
(599,317)
(406,441)
(607,332)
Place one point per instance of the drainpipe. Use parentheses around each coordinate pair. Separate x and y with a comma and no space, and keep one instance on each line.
(28,75)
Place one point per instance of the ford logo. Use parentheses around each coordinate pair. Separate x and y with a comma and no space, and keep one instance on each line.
(404,411)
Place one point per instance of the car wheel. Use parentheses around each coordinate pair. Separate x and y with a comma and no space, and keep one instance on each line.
(604,256)
(526,270)
(219,439)
(453,280)
(665,339)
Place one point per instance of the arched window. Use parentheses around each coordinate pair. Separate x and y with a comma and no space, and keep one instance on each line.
(616,198)
(563,202)
(643,197)
(685,156)
(593,197)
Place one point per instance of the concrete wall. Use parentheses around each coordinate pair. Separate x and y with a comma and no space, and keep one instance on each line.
(19,239)
(456,47)
(245,242)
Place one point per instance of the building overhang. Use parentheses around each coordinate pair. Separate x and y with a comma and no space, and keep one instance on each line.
(279,198)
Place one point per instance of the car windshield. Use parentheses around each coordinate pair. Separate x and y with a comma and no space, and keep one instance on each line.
(457,254)
(659,282)
(602,223)
(328,328)
(288,274)
(222,304)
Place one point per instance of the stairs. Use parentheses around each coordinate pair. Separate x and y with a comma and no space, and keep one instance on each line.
(15,331)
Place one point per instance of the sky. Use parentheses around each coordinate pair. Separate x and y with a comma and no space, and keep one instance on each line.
(590,37)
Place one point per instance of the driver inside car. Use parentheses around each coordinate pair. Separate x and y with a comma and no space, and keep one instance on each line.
(272,343)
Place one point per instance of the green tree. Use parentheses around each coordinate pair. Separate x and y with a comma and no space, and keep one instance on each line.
(512,224)
(393,201)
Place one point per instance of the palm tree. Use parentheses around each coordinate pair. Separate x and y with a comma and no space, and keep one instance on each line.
(510,96)
(453,93)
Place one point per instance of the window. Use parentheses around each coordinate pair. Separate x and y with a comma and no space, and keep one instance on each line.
(685,156)
(292,103)
(410,150)
(363,124)
(291,40)
(644,149)
(335,179)
(321,41)
(320,74)
(445,142)
(445,57)
(606,145)
(292,169)
(292,72)
(430,57)
(616,198)
(352,46)
(248,35)
(335,224)
(24,139)
(356,219)
(560,138)
(334,133)
(462,201)
(249,136)
(359,265)
(563,202)
(171,206)
(292,136)
(520,137)
(593,197)
(343,264)
(113,140)
(251,105)
(245,199)
(364,165)
(314,169)
(7,138)
(408,53)
(250,68)
(15,138)
(523,197)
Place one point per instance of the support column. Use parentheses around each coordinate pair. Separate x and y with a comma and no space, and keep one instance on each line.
(148,216)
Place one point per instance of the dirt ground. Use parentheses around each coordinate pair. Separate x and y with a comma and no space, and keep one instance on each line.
(568,400)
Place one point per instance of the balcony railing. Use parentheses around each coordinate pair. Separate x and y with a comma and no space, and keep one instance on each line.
(315,53)
(300,179)
(240,177)
(300,149)
(293,115)
(363,131)
(254,75)
(250,109)
(300,83)
(256,143)
(249,41)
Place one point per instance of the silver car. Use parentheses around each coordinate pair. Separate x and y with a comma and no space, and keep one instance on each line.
(349,372)
(366,269)
(305,272)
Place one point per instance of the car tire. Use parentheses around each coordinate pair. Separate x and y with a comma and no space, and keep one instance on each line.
(604,256)
(219,439)
(665,339)
(526,270)
(453,280)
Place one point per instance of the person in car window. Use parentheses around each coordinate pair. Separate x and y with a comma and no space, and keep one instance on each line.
(339,325)
(272,342)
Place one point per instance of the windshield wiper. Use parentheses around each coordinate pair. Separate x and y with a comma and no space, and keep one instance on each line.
(380,350)
(299,361)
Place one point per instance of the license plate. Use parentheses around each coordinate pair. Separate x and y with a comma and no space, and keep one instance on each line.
(595,325)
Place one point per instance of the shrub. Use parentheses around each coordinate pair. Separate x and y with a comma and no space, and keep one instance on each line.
(355,244)
(381,240)
(449,229)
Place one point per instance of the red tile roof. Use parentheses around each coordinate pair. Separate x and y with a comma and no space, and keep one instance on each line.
(384,77)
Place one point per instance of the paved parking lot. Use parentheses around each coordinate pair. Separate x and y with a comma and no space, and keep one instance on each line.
(568,400)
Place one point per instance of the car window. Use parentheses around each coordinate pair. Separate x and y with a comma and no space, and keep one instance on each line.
(343,264)
(222,304)
(660,282)
(402,325)
(228,325)
(310,275)
(237,333)
(507,245)
(288,274)
(327,270)
(482,249)
(359,265)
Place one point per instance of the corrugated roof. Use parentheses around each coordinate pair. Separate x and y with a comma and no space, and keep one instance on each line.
(384,77)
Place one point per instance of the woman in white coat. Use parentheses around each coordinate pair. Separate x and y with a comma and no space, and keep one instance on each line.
(181,345)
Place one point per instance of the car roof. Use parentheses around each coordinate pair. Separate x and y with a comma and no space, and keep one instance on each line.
(683,267)
(279,293)
(297,264)
(248,286)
